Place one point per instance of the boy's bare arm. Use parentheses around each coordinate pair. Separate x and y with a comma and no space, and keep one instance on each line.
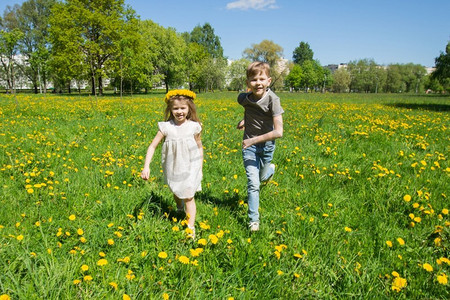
(276,133)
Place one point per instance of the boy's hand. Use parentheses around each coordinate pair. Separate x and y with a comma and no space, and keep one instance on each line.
(246,143)
(240,125)
(145,174)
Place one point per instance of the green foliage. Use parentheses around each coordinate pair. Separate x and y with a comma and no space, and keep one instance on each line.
(442,72)
(266,51)
(358,204)
(302,53)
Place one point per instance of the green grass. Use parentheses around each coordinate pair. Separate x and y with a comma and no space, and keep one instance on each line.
(344,166)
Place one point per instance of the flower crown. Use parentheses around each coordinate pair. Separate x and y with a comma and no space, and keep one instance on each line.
(185,93)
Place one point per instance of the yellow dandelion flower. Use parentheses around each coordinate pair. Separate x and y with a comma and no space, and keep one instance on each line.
(126,297)
(399,283)
(110,242)
(80,231)
(298,255)
(279,272)
(202,242)
(84,268)
(175,228)
(445,211)
(162,255)
(165,296)
(427,267)
(213,239)
(348,229)
(83,239)
(19,237)
(229,241)
(184,259)
(114,285)
(407,198)
(87,278)
(442,278)
(76,281)
(72,217)
(102,262)
(389,243)
(401,241)
(102,254)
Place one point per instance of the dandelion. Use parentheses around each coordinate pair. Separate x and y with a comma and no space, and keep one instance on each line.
(229,241)
(442,279)
(19,237)
(102,254)
(72,217)
(80,231)
(399,283)
(162,255)
(427,267)
(114,285)
(407,198)
(110,242)
(213,238)
(389,243)
(445,211)
(165,296)
(348,229)
(401,241)
(126,297)
(76,281)
(84,268)
(184,259)
(87,278)
(298,255)
(102,262)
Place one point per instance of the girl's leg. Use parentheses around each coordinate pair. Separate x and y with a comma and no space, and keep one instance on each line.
(191,211)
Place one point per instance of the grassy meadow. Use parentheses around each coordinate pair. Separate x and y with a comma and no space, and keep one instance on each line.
(358,207)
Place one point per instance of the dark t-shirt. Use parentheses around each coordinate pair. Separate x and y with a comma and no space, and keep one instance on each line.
(258,115)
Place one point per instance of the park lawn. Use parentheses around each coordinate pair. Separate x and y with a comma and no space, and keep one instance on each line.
(358,207)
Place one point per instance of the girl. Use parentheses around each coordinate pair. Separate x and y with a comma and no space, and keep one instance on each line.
(182,152)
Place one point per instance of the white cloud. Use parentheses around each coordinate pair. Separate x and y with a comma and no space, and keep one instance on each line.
(252,4)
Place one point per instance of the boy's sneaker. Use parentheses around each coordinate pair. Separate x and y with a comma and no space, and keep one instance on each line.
(254,226)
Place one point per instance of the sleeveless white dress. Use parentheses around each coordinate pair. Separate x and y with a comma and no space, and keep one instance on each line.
(181,158)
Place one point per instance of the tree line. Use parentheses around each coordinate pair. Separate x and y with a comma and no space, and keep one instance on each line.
(104,44)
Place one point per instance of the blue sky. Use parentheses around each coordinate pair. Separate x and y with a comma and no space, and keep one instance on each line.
(387,31)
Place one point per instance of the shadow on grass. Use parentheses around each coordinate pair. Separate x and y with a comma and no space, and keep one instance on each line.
(422,106)
(160,205)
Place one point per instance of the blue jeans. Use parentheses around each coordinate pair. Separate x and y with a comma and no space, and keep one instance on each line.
(257,159)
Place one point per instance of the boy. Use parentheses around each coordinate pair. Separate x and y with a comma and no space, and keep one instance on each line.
(262,124)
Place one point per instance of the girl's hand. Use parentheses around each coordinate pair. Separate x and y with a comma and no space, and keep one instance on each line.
(145,174)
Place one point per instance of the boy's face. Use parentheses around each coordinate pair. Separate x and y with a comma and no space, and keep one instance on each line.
(258,84)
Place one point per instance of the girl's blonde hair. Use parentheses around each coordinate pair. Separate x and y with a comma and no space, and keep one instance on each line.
(192,114)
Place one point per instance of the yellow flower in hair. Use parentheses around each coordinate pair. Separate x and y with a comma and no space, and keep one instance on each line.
(185,93)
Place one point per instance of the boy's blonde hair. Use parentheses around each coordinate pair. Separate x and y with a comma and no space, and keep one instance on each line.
(258,67)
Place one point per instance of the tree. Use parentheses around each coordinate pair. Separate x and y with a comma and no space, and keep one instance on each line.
(302,53)
(295,77)
(236,75)
(266,51)
(205,36)
(442,72)
(169,48)
(341,80)
(93,27)
(9,45)
(33,20)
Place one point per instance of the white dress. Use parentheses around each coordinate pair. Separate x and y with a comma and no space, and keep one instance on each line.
(181,158)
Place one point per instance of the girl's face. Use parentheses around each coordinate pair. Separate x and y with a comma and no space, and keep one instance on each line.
(180,111)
